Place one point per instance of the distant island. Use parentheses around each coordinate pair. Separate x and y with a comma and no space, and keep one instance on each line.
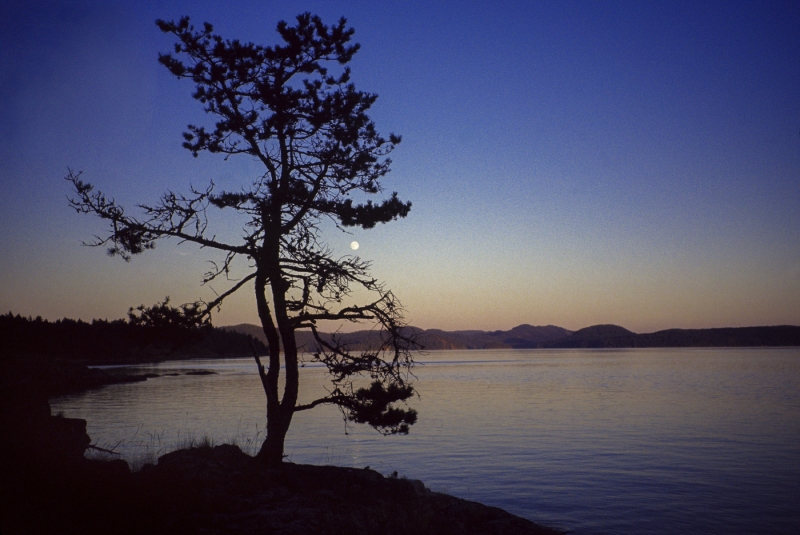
(552,337)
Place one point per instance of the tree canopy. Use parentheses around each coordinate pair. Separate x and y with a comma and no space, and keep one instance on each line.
(293,108)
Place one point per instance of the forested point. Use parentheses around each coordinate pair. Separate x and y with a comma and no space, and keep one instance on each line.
(117,341)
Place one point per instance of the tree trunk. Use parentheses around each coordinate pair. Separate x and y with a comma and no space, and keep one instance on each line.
(279,411)
(279,415)
(271,452)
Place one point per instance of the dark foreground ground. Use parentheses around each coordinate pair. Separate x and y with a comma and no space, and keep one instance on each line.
(47,486)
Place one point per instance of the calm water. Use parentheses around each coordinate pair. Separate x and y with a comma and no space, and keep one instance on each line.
(594,441)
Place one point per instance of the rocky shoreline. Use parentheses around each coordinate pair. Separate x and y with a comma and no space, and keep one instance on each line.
(48,486)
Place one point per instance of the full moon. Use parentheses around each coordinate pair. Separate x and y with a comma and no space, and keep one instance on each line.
(354,245)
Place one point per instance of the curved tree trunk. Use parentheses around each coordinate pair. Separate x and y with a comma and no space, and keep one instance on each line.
(271,452)
(279,411)
(279,416)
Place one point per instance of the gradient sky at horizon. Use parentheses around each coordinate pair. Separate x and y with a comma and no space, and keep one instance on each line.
(569,163)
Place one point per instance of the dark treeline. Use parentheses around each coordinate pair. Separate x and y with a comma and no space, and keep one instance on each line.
(103,341)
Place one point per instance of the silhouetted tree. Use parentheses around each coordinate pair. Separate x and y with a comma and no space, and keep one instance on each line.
(309,128)
(177,325)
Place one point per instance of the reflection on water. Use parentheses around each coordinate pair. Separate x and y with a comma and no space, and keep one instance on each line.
(595,441)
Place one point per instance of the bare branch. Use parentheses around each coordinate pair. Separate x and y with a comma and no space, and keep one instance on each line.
(218,301)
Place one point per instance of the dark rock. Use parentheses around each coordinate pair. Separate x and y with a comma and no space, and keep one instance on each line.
(222,490)
(230,492)
(68,436)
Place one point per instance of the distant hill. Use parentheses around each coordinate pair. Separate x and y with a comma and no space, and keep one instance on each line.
(610,336)
(781,335)
(550,336)
(522,336)
(594,336)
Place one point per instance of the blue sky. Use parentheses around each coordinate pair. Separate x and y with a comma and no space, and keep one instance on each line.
(569,163)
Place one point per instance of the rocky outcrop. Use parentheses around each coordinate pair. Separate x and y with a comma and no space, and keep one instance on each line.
(46,483)
(220,490)
(230,492)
